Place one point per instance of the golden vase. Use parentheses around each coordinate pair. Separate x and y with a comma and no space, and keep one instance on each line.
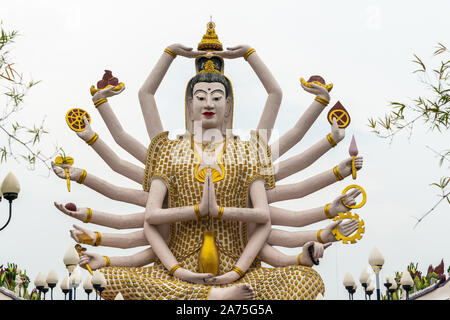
(208,259)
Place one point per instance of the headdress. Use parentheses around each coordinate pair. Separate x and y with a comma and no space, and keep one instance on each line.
(210,63)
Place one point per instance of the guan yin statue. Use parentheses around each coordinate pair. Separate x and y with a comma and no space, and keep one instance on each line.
(207,218)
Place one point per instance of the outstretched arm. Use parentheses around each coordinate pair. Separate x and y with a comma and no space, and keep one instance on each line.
(119,165)
(308,157)
(133,196)
(121,137)
(296,239)
(115,240)
(97,261)
(310,185)
(147,92)
(272,87)
(116,221)
(276,258)
(294,135)
(284,217)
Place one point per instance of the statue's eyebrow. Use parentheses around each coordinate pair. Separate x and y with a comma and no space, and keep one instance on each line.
(218,90)
(199,90)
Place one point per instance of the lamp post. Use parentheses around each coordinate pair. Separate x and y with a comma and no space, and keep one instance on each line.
(364,279)
(407,283)
(370,289)
(349,284)
(393,288)
(10,190)
(75,280)
(52,280)
(39,282)
(97,281)
(65,286)
(388,284)
(376,261)
(87,285)
(71,259)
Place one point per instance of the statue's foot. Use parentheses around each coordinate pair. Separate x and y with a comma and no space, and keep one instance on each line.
(240,291)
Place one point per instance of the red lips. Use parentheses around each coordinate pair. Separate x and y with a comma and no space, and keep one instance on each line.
(208,114)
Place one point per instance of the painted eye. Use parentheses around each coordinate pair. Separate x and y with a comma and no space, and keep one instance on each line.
(217,98)
(201,98)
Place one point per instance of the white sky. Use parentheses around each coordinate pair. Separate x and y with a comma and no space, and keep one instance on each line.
(364,47)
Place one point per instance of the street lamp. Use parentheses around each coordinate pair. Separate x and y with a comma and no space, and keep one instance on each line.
(87,285)
(52,280)
(370,289)
(393,288)
(75,280)
(364,279)
(65,287)
(349,284)
(10,190)
(39,282)
(407,283)
(388,284)
(71,259)
(98,282)
(376,261)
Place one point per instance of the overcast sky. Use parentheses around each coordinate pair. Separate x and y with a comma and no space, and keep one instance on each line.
(364,48)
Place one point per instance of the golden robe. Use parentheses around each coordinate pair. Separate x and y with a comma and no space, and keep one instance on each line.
(177,164)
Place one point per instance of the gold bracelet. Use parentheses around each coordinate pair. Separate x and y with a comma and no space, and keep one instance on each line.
(248,53)
(100,101)
(108,261)
(336,173)
(174,268)
(219,216)
(331,140)
(197,212)
(327,211)
(299,259)
(321,100)
(98,239)
(167,50)
(92,140)
(319,239)
(89,215)
(238,271)
(82,176)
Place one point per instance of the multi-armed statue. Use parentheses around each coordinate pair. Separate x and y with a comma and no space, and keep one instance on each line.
(207,223)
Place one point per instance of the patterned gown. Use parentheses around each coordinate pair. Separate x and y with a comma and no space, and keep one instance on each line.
(177,164)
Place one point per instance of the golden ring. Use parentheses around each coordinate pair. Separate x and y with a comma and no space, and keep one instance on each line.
(74,119)
(356,206)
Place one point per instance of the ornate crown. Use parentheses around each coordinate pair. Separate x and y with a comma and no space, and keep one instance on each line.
(210,42)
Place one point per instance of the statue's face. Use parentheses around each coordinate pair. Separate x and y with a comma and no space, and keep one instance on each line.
(209,104)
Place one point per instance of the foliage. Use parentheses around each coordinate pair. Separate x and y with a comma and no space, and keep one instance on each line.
(22,141)
(12,278)
(433,111)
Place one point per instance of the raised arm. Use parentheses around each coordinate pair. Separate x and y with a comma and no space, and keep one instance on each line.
(309,156)
(273,101)
(147,92)
(317,182)
(117,164)
(97,261)
(116,221)
(121,137)
(133,196)
(294,135)
(257,239)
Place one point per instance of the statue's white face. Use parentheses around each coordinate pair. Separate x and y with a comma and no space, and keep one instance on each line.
(209,104)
